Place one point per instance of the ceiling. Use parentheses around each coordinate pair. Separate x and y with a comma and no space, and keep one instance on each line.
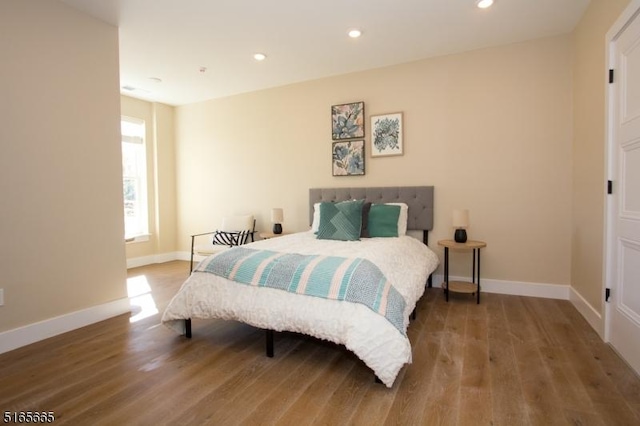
(203,49)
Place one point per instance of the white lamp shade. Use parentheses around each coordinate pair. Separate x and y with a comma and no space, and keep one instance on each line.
(461,218)
(277,215)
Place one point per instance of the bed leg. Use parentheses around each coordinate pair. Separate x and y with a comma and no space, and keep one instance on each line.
(269,336)
(187,328)
(413,314)
(430,281)
(377,380)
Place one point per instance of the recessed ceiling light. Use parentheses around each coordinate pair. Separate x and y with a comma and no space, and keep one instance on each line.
(130,88)
(355,33)
(483,4)
(259,56)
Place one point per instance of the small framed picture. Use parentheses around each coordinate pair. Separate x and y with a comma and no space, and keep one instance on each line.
(347,121)
(348,158)
(386,134)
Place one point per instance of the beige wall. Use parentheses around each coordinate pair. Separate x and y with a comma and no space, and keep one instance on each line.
(161,178)
(514,133)
(61,219)
(491,129)
(589,89)
(165,178)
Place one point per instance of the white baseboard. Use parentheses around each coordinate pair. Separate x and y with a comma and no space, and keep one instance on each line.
(548,291)
(150,260)
(593,317)
(516,288)
(22,336)
(185,255)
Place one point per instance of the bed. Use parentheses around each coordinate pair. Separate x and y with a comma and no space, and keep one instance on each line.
(404,264)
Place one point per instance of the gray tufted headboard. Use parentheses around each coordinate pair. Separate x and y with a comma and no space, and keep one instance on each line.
(418,198)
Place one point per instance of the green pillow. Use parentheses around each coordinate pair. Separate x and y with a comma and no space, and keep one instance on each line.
(340,221)
(383,220)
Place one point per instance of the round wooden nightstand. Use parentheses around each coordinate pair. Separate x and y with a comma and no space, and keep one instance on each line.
(462,286)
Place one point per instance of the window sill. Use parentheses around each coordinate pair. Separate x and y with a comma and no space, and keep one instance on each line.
(137,239)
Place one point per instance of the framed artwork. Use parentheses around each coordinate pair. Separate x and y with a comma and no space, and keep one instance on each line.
(386,135)
(348,158)
(347,121)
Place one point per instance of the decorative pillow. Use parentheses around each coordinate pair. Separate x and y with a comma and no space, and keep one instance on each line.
(316,218)
(364,232)
(383,220)
(402,220)
(224,238)
(340,221)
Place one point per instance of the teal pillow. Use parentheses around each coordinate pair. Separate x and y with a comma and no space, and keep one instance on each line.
(383,220)
(340,221)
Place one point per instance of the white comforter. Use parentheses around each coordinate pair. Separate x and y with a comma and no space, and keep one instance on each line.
(405,261)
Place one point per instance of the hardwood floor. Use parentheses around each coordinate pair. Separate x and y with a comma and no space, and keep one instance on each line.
(509,361)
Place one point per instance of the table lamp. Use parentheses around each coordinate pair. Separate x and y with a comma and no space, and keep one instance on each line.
(460,223)
(277,217)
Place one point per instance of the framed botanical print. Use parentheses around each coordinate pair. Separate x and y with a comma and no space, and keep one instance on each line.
(347,121)
(348,158)
(386,135)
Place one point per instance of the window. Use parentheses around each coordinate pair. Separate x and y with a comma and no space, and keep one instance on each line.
(134,178)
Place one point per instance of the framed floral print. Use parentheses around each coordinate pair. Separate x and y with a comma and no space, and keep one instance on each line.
(386,134)
(348,158)
(347,121)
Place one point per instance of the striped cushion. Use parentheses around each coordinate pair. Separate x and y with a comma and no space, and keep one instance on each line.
(229,238)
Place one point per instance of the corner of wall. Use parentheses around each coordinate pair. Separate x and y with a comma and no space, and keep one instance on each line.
(588,312)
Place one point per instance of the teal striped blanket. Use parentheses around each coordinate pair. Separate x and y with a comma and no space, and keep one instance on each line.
(354,280)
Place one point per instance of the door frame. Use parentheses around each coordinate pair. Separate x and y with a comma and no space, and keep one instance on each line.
(611,167)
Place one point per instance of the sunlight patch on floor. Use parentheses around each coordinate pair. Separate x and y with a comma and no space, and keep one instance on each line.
(140,298)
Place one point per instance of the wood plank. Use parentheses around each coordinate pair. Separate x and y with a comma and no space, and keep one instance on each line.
(568,386)
(224,390)
(508,404)
(615,368)
(313,399)
(444,387)
(375,404)
(475,390)
(269,411)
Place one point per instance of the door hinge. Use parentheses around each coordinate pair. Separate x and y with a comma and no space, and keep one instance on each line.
(610,76)
(607,294)
(609,187)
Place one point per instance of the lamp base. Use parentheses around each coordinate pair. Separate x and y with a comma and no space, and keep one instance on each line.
(460,236)
(277,228)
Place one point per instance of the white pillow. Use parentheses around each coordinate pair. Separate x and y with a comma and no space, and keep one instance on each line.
(237,223)
(316,217)
(402,219)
